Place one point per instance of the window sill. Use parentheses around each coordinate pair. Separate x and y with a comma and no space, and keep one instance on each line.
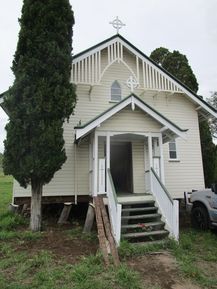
(174,160)
(114,101)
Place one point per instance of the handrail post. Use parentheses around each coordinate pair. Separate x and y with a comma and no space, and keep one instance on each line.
(114,209)
(176,219)
(118,224)
(168,206)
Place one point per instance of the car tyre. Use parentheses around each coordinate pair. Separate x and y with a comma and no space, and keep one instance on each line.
(200,218)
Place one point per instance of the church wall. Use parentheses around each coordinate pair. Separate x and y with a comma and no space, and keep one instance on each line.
(93,100)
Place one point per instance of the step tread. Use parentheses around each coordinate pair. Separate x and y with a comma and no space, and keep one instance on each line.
(136,202)
(131,226)
(139,209)
(144,234)
(146,216)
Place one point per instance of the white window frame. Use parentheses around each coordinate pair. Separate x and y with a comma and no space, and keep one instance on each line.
(175,159)
(116,88)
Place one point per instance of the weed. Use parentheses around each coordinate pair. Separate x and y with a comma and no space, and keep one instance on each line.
(195,246)
(6,183)
(127,249)
(127,278)
(10,221)
(77,232)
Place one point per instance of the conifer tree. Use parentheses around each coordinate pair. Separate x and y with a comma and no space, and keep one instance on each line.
(41,97)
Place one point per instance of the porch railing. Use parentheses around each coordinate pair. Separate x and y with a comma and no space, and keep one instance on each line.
(169,207)
(114,209)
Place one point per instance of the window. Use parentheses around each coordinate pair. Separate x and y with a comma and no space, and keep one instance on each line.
(115,91)
(172,149)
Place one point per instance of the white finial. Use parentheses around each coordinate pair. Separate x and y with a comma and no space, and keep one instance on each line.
(132,83)
(117,24)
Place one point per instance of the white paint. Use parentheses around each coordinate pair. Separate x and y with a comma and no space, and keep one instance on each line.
(108,149)
(167,206)
(101,174)
(114,209)
(117,24)
(161,159)
(95,167)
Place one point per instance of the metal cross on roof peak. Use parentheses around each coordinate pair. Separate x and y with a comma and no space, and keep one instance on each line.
(132,83)
(117,24)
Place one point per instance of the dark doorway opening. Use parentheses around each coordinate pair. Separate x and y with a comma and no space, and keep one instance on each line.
(121,166)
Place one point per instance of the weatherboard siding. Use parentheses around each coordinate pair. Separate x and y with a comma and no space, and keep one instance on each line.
(93,100)
(139,122)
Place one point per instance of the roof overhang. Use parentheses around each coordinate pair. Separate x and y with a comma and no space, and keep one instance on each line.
(169,129)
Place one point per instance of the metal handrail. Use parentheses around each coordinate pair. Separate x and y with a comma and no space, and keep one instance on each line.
(162,185)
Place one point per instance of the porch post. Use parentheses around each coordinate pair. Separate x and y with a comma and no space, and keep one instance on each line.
(95,171)
(150,151)
(161,159)
(107,158)
(150,161)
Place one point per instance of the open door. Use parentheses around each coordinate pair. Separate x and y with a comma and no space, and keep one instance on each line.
(121,166)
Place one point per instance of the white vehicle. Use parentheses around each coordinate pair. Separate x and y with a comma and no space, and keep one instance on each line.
(203,207)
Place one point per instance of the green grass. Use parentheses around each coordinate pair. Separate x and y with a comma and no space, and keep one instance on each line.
(196,254)
(76,233)
(21,270)
(10,222)
(42,271)
(127,249)
(6,183)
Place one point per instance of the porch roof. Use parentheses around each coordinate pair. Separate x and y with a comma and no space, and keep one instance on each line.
(169,129)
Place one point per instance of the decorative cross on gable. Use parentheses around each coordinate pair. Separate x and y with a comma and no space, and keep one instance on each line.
(132,83)
(117,24)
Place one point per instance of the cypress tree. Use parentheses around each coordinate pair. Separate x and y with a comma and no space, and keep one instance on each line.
(41,97)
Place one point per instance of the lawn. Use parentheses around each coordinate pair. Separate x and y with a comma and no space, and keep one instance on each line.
(5,191)
(62,257)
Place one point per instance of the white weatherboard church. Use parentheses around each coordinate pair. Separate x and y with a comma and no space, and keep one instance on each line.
(134,136)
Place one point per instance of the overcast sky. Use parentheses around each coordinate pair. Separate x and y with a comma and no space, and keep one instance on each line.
(189,26)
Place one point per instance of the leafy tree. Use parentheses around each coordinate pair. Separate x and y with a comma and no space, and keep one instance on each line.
(209,153)
(1,159)
(41,97)
(213,122)
(177,64)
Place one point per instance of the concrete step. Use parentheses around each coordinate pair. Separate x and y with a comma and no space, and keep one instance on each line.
(139,209)
(145,234)
(140,225)
(146,216)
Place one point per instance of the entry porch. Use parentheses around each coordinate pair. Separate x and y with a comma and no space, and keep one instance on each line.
(128,169)
(129,158)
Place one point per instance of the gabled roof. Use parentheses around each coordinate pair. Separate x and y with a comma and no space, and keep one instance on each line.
(168,127)
(206,109)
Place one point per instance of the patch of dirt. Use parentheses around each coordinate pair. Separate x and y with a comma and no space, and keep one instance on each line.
(208,268)
(65,248)
(161,270)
